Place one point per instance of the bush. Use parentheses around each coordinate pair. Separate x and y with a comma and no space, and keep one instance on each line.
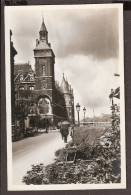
(99,163)
(35,176)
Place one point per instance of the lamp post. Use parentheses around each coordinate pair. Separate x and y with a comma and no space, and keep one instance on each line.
(78,110)
(84,110)
(112,92)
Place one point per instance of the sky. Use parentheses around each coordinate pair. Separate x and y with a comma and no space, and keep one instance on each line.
(86,47)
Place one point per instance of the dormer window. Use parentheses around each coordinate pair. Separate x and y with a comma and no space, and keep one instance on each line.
(31,78)
(21,78)
(43,70)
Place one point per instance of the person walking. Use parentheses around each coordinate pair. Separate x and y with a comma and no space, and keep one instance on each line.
(64,129)
(47,125)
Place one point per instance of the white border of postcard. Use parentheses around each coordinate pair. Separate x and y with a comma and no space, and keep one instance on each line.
(12,187)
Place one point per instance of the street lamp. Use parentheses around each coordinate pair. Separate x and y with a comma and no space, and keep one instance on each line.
(84,110)
(78,110)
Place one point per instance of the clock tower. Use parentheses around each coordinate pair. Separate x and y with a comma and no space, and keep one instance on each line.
(44,67)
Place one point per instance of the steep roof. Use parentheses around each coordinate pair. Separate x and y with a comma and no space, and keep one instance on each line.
(22,67)
(42,45)
(64,85)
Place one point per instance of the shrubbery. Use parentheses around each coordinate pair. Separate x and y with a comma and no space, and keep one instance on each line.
(96,160)
(35,176)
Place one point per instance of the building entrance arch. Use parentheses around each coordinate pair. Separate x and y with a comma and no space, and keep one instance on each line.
(44,105)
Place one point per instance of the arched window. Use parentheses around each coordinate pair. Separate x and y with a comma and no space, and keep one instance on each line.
(43,70)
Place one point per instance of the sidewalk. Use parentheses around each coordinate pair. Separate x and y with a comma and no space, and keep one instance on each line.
(35,150)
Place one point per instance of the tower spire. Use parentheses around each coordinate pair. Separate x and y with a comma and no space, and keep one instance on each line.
(43,33)
(42,17)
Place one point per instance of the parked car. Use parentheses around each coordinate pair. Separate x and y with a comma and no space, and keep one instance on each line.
(30,131)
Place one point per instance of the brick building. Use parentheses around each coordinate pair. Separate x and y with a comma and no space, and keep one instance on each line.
(38,91)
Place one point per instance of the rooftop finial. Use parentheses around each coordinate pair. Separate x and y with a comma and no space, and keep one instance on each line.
(42,16)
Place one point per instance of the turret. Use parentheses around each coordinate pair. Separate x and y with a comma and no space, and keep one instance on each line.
(64,85)
(44,63)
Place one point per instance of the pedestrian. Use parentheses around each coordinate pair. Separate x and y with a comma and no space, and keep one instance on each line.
(64,132)
(60,125)
(47,125)
(72,133)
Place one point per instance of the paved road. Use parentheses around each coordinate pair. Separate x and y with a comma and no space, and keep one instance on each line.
(34,150)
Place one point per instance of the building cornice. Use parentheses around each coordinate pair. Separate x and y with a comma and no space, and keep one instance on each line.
(28,82)
(43,77)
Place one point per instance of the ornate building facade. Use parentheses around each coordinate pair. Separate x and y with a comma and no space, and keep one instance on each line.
(39,90)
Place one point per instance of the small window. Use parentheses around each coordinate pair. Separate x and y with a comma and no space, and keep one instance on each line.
(43,34)
(31,88)
(43,70)
(21,88)
(44,83)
